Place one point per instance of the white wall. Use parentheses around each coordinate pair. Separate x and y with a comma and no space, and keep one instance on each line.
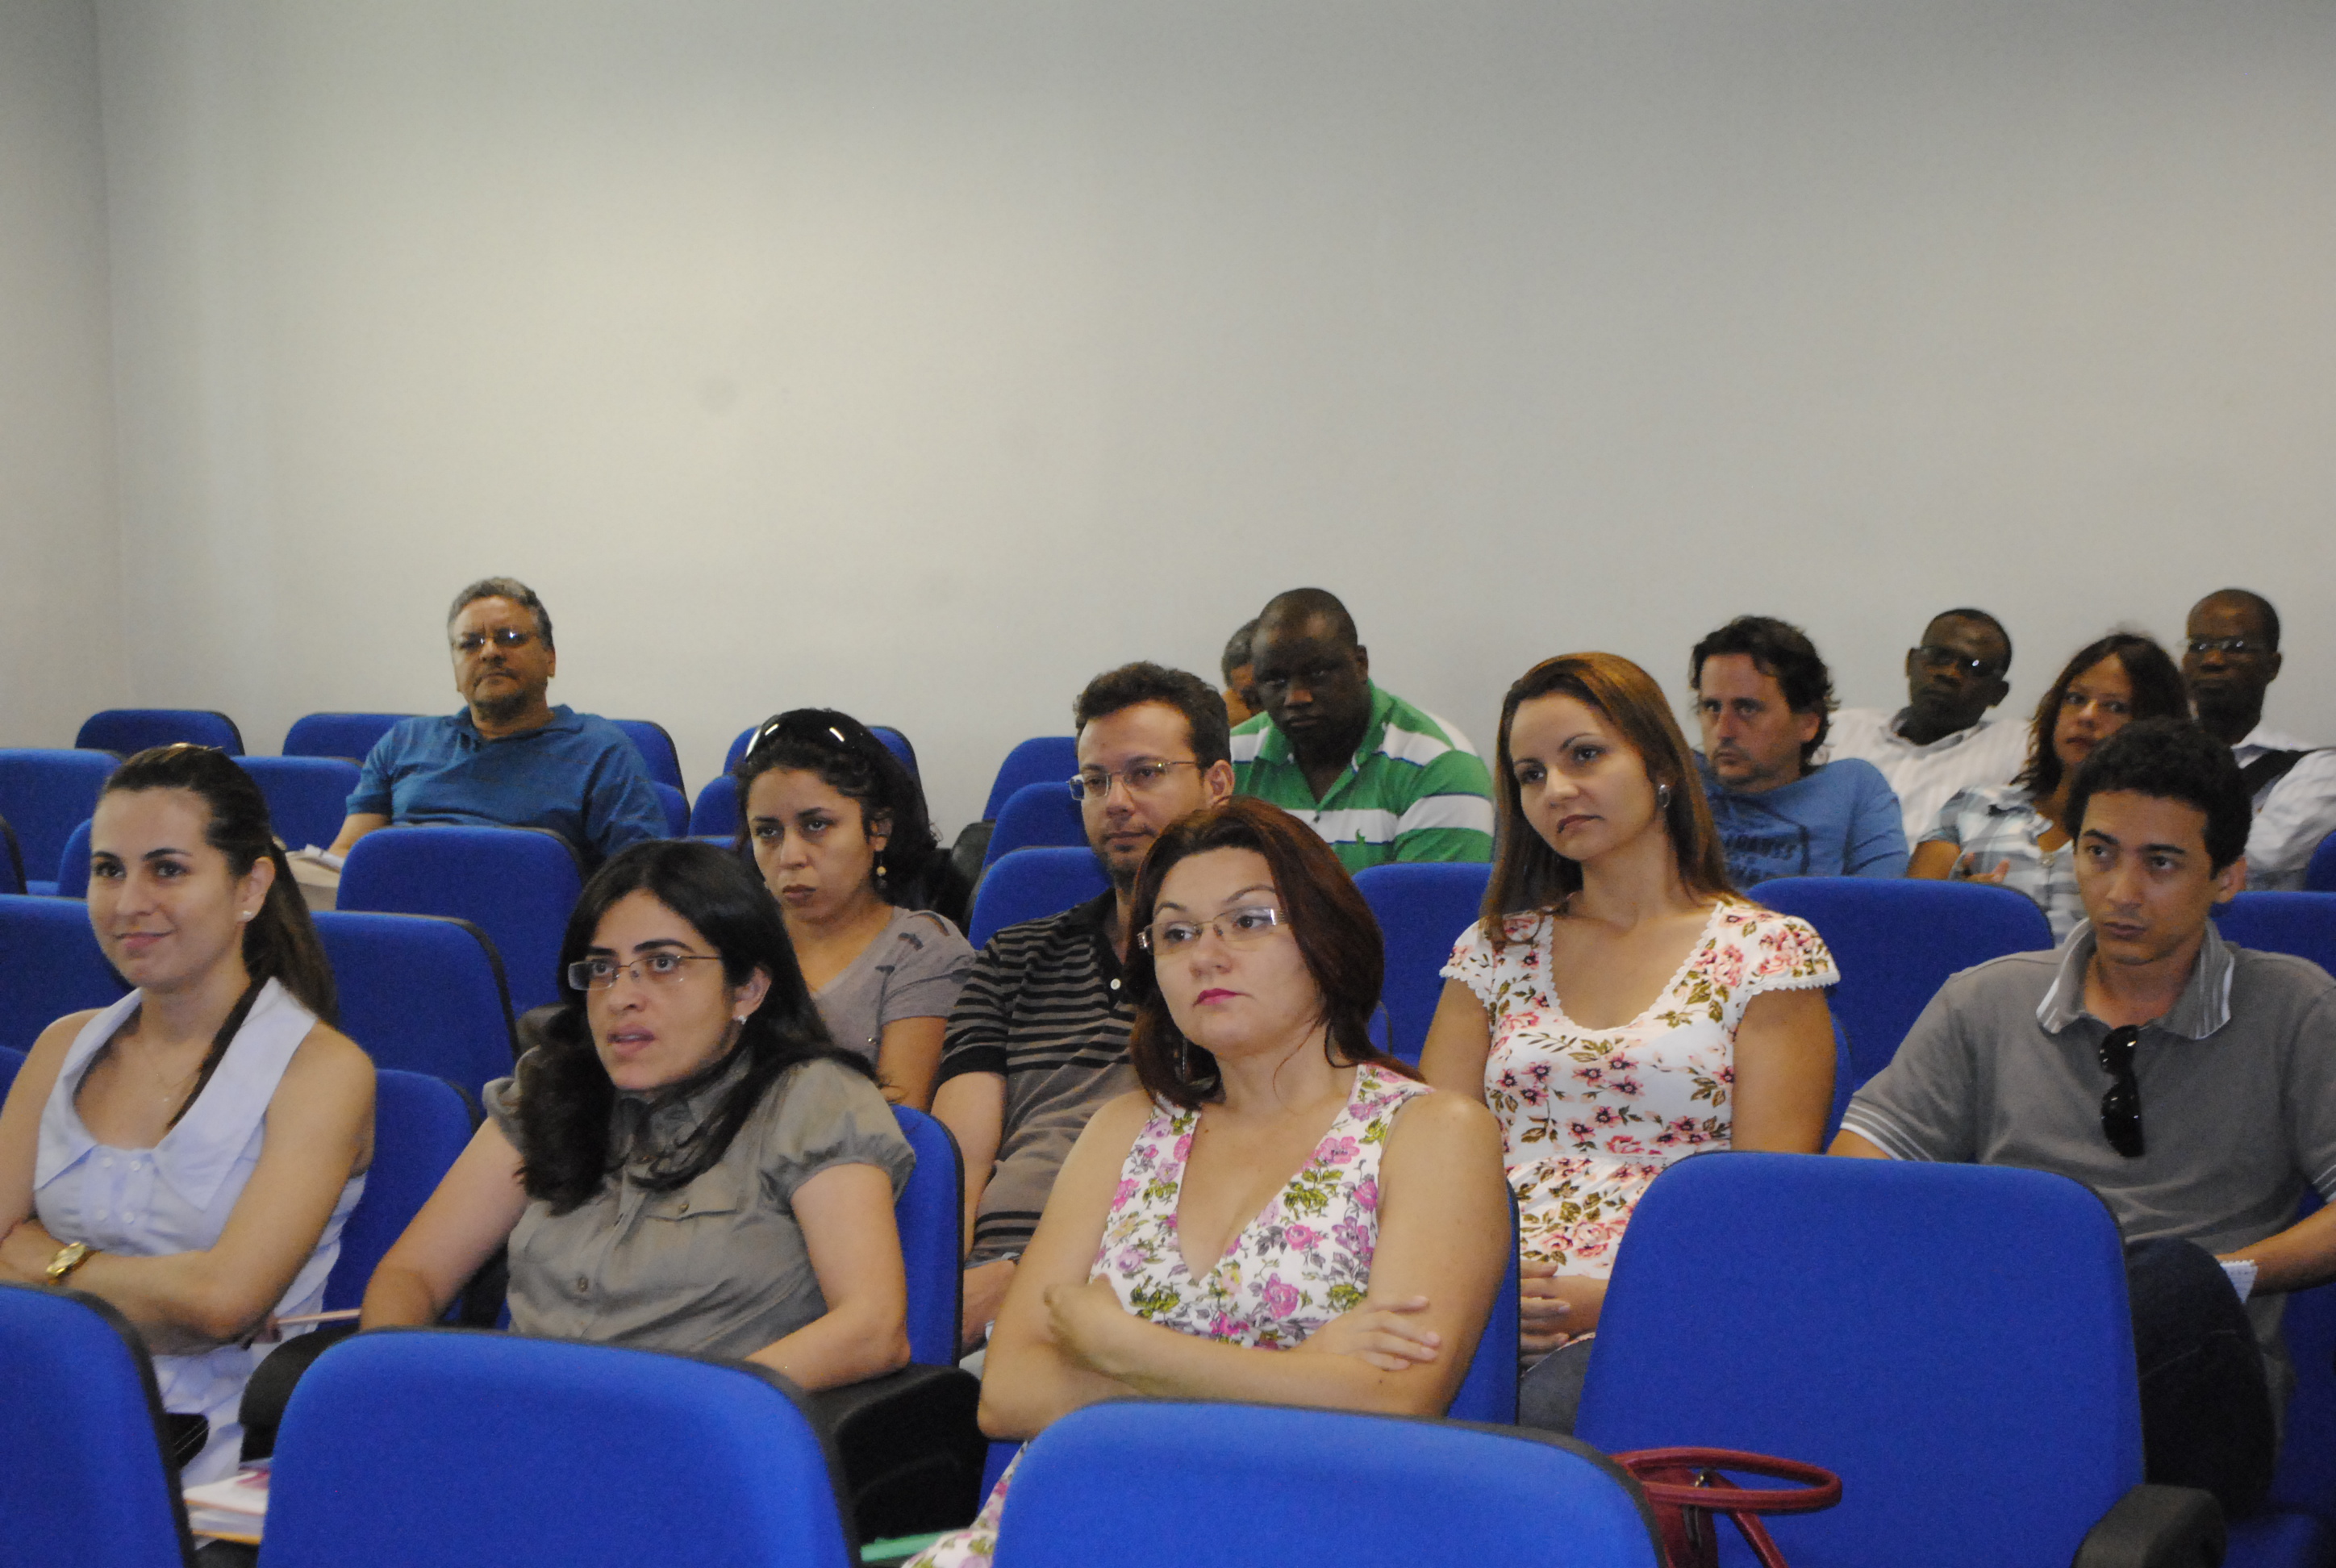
(62,635)
(924,359)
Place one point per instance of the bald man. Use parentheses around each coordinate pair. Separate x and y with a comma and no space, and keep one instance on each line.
(2229,660)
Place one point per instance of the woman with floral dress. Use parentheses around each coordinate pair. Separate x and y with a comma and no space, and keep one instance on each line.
(1283,1212)
(1618,1006)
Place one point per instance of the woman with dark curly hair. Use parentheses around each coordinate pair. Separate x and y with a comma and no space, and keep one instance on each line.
(839,830)
(684,1162)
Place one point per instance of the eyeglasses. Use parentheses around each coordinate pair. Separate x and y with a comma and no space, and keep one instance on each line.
(1140,778)
(1931,657)
(657,970)
(2236,647)
(1242,928)
(2121,1106)
(1320,674)
(501,637)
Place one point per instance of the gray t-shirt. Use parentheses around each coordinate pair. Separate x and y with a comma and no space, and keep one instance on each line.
(716,1267)
(913,970)
(2238,1092)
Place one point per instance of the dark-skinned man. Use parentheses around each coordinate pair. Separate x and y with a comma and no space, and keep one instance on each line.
(1380,779)
(1942,742)
(2229,660)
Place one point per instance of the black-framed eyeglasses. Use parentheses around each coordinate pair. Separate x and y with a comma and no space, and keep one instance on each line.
(1932,657)
(2121,1106)
(501,637)
(2235,647)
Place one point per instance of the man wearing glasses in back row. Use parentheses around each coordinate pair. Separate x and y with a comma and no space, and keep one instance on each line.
(510,758)
(2189,1082)
(1942,742)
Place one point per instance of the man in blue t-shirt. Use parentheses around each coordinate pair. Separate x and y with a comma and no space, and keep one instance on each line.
(1762,696)
(509,759)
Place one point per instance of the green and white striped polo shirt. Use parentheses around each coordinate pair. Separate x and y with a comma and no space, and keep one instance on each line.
(1415,791)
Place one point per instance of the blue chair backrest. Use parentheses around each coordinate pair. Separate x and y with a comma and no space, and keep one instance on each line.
(2305,1481)
(11,860)
(49,965)
(1036,816)
(898,745)
(44,794)
(72,865)
(420,1125)
(307,796)
(1928,1332)
(716,810)
(1896,942)
(83,1478)
(676,809)
(1112,1484)
(421,993)
(2303,924)
(1041,759)
(2319,874)
(347,735)
(11,1063)
(470,1450)
(1423,907)
(128,729)
(1488,1392)
(930,1213)
(518,885)
(1030,885)
(656,747)
(744,738)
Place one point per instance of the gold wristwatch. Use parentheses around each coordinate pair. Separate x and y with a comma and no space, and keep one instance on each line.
(70,1256)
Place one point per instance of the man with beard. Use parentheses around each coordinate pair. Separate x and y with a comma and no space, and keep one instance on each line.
(510,758)
(2229,662)
(1039,1039)
(1942,742)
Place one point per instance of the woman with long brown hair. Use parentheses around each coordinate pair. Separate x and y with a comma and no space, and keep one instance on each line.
(1620,1005)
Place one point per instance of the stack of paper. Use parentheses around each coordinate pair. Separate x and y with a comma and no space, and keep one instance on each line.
(233,1509)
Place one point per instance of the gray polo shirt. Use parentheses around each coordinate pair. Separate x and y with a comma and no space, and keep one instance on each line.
(2238,1092)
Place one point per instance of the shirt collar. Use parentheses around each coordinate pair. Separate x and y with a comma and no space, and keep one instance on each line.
(563,720)
(1947,742)
(2203,1007)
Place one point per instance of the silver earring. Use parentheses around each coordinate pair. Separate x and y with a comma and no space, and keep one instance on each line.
(1663,797)
(245,915)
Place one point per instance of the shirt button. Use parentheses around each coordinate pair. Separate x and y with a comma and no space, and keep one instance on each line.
(1114,984)
(105,1161)
(583,1284)
(685,1205)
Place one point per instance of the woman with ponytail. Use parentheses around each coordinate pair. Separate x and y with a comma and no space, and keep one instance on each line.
(190,1152)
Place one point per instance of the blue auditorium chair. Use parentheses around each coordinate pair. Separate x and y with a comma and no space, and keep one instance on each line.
(470,1450)
(930,1213)
(1220,1485)
(656,749)
(49,965)
(11,860)
(898,745)
(421,1124)
(676,809)
(307,796)
(1896,942)
(1031,884)
(83,1479)
(2303,924)
(738,744)
(43,794)
(518,885)
(345,735)
(72,864)
(1953,1340)
(716,814)
(2319,875)
(1488,1391)
(1423,907)
(1036,816)
(123,730)
(423,993)
(1041,759)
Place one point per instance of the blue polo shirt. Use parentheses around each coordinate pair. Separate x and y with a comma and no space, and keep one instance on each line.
(577,775)
(1841,820)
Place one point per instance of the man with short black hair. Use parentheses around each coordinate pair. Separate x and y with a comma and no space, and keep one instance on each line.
(1039,1039)
(2190,1083)
(510,758)
(2229,660)
(1763,698)
(1942,742)
(1380,779)
(1240,675)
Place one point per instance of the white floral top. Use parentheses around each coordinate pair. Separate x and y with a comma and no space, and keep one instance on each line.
(1302,1262)
(1589,1117)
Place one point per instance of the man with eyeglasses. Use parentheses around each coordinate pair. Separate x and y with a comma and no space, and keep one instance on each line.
(510,758)
(1942,742)
(2228,662)
(1038,1038)
(2190,1083)
(1380,779)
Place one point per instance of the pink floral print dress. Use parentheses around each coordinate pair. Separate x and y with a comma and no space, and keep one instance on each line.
(1589,1117)
(1302,1262)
